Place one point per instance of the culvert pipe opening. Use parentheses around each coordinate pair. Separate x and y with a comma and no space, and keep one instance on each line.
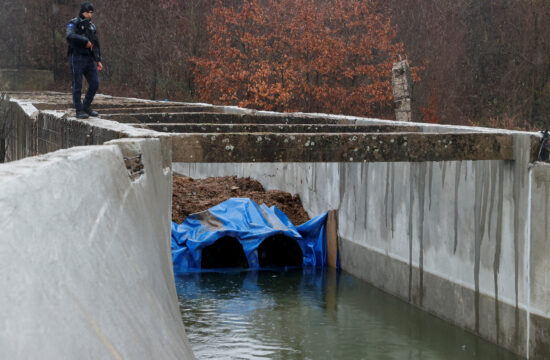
(226,252)
(280,251)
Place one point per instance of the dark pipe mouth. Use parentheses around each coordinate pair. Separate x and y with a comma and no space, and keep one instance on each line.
(280,251)
(226,252)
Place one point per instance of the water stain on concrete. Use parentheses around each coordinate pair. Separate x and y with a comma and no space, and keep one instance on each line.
(443,172)
(456,202)
(494,175)
(480,213)
(392,196)
(410,233)
(498,245)
(430,177)
(389,180)
(421,191)
(342,184)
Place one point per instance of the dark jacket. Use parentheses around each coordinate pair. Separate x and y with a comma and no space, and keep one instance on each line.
(79,32)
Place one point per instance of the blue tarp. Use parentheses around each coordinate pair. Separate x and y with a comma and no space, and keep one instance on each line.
(250,224)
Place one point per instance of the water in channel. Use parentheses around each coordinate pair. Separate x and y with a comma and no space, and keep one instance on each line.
(313,314)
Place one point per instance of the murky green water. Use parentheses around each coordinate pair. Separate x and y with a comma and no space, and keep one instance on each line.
(300,314)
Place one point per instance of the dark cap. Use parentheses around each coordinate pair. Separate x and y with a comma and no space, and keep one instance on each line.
(86,6)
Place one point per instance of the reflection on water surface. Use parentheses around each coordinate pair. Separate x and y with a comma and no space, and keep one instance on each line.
(313,314)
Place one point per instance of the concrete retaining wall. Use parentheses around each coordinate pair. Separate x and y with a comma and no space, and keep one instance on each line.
(455,238)
(85,264)
(30,132)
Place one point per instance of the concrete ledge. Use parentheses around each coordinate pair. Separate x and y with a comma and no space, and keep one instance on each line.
(281,128)
(217,118)
(345,147)
(157,108)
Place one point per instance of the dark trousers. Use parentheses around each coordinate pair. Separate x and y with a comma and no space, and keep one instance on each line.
(83,65)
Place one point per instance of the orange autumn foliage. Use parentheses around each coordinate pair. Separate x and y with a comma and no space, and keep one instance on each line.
(332,56)
(430,112)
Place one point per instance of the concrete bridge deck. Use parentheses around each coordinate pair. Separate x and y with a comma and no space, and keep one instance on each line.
(451,219)
(206,133)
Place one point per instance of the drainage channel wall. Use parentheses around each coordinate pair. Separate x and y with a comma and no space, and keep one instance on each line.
(85,262)
(465,240)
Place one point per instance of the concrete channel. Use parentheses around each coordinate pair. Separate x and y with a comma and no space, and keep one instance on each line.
(451,219)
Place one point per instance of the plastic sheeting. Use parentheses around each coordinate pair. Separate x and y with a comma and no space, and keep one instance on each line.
(250,224)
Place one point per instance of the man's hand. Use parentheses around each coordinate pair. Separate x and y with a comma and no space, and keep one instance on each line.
(99,66)
(89,45)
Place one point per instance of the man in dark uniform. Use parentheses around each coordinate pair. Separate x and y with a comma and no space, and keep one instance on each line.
(84,53)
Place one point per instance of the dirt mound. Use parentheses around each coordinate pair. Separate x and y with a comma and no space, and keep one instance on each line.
(190,196)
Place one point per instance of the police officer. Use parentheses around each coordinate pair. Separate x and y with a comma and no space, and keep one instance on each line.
(83,51)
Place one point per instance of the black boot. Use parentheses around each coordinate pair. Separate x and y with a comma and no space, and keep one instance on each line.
(88,110)
(82,115)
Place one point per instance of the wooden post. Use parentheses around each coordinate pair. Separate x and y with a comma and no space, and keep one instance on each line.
(332,239)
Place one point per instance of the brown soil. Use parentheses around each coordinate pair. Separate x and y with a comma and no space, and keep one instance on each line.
(190,196)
